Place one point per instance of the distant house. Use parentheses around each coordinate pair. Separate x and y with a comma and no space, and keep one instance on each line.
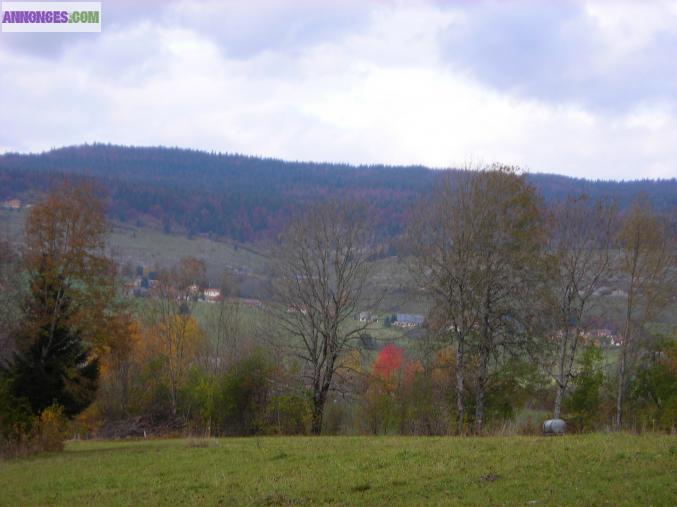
(408,320)
(212,294)
(13,204)
(602,336)
(367,317)
(601,333)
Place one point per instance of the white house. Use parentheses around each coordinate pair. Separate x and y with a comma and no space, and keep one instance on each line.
(408,320)
(212,294)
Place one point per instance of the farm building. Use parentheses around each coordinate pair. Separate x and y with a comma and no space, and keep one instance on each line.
(367,317)
(13,204)
(212,294)
(408,320)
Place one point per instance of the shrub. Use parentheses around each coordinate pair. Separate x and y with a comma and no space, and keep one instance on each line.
(652,394)
(232,402)
(288,415)
(33,435)
(16,421)
(242,395)
(50,429)
(584,403)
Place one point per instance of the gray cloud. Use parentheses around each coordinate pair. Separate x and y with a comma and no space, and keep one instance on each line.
(556,51)
(116,15)
(244,29)
(576,88)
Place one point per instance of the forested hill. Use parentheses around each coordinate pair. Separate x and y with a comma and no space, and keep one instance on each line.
(249,198)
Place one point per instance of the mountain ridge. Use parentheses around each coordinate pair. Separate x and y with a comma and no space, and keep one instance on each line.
(250,198)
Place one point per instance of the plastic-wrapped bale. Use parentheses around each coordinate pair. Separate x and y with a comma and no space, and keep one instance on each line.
(554,427)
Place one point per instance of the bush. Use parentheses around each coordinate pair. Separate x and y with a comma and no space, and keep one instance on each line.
(242,396)
(33,435)
(652,394)
(50,429)
(233,402)
(288,415)
(15,421)
(584,403)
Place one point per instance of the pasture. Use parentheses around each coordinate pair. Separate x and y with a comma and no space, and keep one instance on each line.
(600,469)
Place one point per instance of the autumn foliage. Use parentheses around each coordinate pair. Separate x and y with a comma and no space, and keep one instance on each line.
(389,361)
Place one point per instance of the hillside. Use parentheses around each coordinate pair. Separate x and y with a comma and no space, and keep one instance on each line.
(247,264)
(248,198)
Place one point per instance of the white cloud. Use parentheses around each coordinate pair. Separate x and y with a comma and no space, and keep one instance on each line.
(629,26)
(379,89)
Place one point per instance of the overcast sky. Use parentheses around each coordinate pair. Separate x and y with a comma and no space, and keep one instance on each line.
(579,88)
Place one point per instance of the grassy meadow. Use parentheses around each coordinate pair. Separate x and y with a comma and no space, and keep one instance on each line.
(618,469)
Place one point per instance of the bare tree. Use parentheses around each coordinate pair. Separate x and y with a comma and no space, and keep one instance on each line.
(442,264)
(479,244)
(646,260)
(320,278)
(223,324)
(581,243)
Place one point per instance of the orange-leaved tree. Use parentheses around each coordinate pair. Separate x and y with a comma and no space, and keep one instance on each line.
(70,304)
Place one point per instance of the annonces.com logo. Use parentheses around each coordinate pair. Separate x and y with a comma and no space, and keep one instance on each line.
(51,16)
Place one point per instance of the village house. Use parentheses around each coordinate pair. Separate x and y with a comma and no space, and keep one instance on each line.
(297,309)
(367,317)
(12,204)
(212,294)
(601,336)
(408,320)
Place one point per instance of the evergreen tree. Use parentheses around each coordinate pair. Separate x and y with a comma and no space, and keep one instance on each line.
(53,364)
(69,311)
(584,403)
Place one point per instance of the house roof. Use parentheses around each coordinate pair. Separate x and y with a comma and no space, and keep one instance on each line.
(410,318)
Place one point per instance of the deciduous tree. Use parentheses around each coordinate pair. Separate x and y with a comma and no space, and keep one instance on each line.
(320,278)
(478,246)
(582,238)
(646,259)
(173,331)
(69,307)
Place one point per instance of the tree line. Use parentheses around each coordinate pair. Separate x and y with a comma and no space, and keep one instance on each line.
(191,192)
(512,285)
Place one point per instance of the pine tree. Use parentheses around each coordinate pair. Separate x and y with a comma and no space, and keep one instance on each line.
(52,364)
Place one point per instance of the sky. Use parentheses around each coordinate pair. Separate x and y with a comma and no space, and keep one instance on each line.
(581,88)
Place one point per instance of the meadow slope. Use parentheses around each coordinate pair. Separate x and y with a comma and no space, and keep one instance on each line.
(573,470)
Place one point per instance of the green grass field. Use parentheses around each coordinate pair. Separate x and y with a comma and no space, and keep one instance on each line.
(572,470)
(150,247)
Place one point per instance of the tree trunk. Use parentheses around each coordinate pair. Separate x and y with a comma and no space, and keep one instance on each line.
(618,423)
(559,395)
(460,380)
(481,385)
(318,412)
(173,399)
(562,375)
(623,359)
